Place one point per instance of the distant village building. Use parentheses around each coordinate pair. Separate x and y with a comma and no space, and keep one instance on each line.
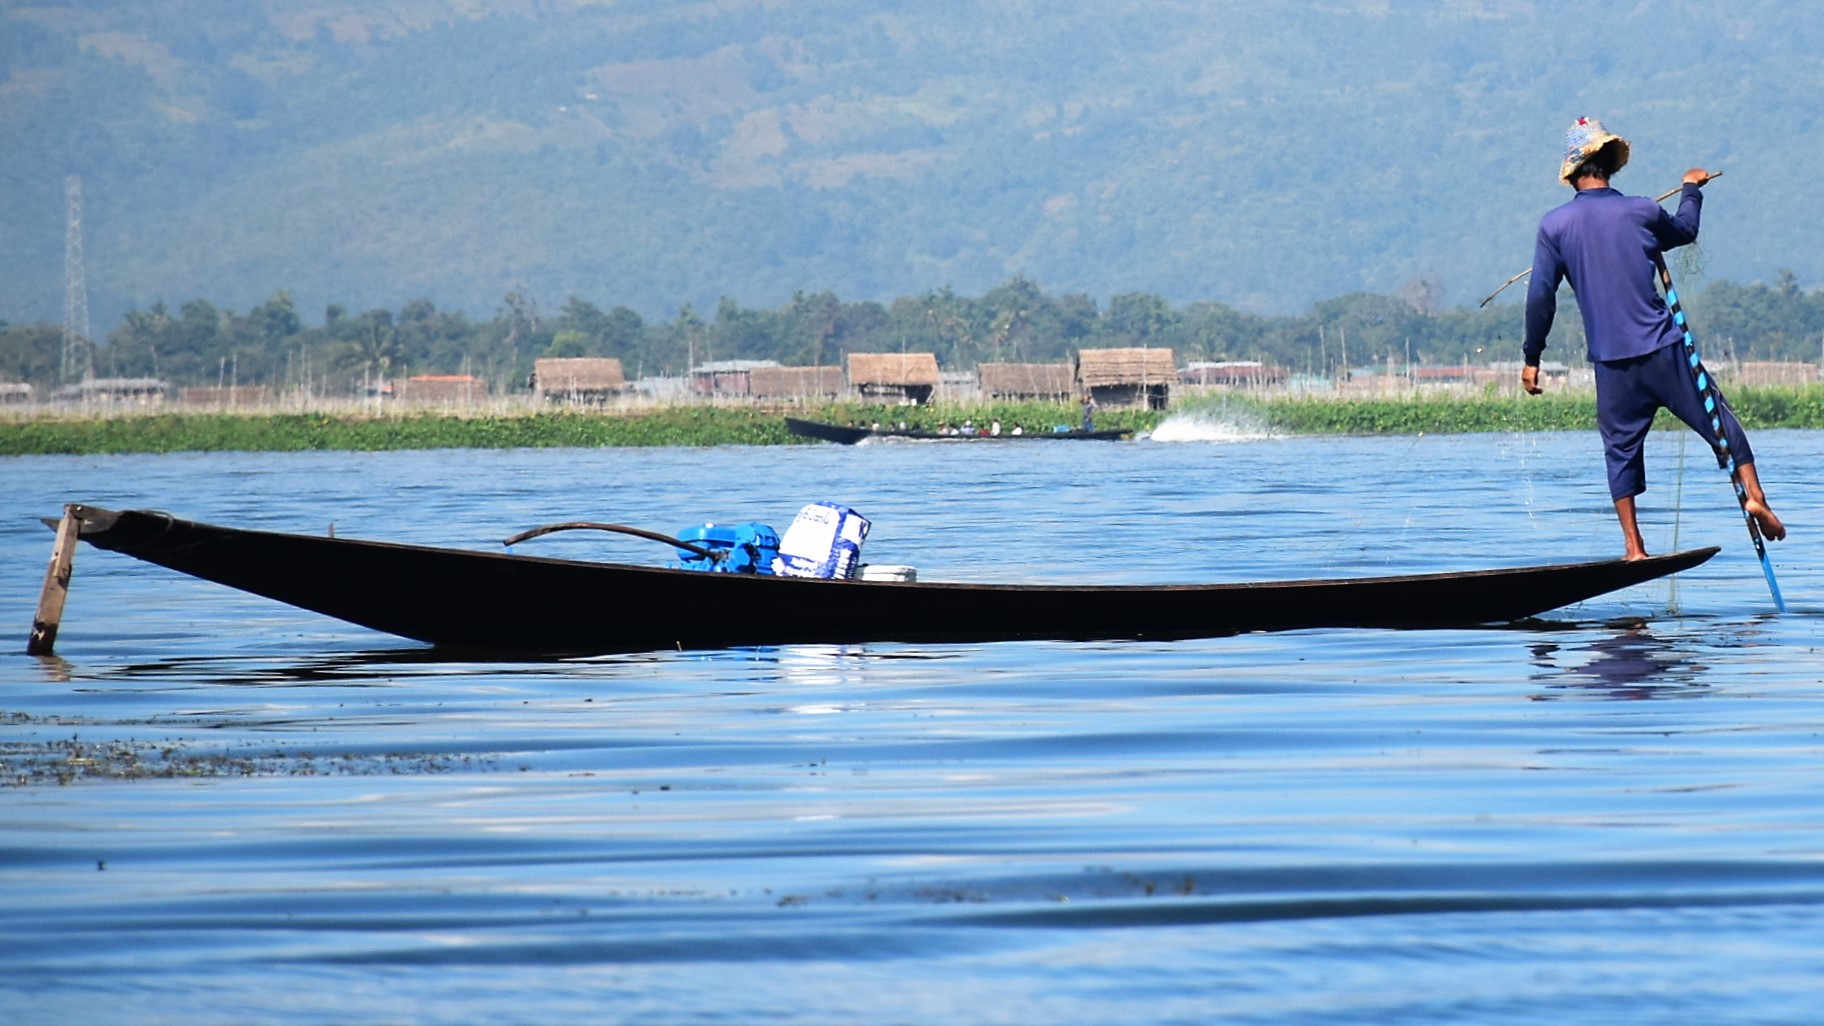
(659,388)
(15,392)
(578,379)
(442,389)
(1477,375)
(1232,374)
(726,377)
(137,391)
(226,397)
(1454,374)
(1127,377)
(795,382)
(1507,372)
(895,377)
(958,384)
(1039,381)
(1768,372)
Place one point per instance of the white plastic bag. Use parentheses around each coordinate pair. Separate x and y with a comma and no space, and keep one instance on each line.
(824,541)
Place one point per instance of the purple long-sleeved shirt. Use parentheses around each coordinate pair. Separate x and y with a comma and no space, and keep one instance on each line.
(1604,243)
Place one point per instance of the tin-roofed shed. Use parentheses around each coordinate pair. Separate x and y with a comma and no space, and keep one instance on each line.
(114,390)
(906,377)
(1233,374)
(726,377)
(1127,377)
(795,382)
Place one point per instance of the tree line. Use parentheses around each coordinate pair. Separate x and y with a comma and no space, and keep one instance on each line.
(1017,321)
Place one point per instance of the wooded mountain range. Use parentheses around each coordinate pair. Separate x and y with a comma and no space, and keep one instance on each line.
(653,153)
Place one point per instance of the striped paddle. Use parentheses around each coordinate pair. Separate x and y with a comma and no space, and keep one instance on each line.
(1713,405)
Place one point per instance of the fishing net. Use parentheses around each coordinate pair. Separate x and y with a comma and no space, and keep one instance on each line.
(1688,265)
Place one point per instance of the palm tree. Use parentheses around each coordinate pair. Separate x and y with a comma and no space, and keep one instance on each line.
(371,345)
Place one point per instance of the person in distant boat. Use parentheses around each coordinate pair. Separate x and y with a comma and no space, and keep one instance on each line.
(1609,246)
(1089,413)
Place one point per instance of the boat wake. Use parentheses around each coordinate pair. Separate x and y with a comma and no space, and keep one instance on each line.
(1202,426)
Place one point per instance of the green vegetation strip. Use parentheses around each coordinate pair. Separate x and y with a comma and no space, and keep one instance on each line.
(309,431)
(1431,414)
(674,426)
(1789,407)
(1764,407)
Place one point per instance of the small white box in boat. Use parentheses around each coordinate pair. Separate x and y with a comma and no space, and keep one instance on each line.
(887,572)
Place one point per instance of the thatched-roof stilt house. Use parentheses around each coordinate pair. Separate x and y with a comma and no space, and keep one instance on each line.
(1053,382)
(226,397)
(442,389)
(578,379)
(1127,377)
(901,377)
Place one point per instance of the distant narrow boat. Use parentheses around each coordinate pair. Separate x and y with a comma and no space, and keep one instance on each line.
(531,604)
(844,435)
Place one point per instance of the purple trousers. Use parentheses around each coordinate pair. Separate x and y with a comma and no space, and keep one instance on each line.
(1629,392)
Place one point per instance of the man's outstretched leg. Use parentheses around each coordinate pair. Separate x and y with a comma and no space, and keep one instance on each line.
(1670,378)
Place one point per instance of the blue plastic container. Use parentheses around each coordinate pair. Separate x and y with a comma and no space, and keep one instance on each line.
(745,548)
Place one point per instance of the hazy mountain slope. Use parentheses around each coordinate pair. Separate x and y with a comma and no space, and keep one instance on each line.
(653,154)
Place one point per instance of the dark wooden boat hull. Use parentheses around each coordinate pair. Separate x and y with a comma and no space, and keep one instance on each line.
(843,435)
(533,604)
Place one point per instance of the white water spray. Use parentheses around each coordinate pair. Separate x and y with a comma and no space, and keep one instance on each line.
(1211,426)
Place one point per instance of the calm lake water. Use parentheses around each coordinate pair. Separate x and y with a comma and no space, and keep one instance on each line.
(217,809)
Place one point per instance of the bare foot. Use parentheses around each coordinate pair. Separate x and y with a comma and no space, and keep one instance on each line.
(1769,525)
(1634,547)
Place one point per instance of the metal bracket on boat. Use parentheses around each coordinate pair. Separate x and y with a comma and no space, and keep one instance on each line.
(637,532)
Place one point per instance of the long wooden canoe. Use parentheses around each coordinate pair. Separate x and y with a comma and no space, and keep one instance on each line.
(534,604)
(844,435)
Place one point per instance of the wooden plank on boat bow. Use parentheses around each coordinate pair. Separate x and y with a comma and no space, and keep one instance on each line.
(56,587)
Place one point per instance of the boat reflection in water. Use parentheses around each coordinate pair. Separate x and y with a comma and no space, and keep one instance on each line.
(1633,663)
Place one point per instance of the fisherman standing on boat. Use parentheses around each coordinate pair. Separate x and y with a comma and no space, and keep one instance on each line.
(1608,245)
